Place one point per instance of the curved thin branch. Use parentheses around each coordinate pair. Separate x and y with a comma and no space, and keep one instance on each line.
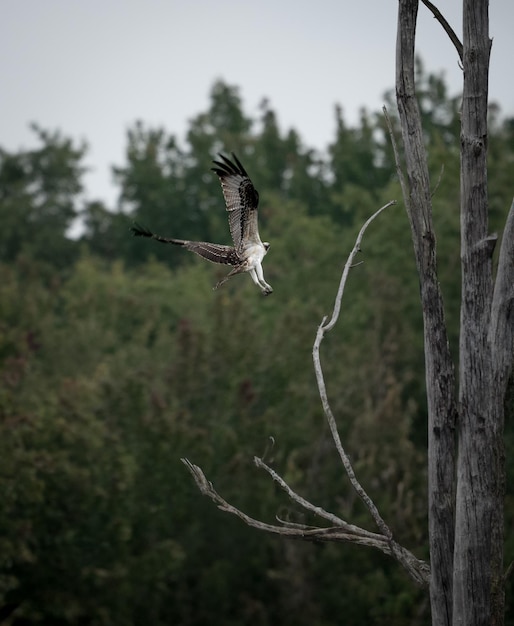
(448,29)
(348,265)
(322,329)
(397,160)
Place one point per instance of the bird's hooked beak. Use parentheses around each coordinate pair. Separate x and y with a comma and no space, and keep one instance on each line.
(266,245)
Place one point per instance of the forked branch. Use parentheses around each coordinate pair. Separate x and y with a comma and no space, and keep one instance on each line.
(418,570)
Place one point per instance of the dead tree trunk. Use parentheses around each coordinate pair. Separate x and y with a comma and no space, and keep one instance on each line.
(479,503)
(440,378)
(468,588)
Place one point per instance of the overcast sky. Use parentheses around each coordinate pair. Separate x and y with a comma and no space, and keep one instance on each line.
(90,68)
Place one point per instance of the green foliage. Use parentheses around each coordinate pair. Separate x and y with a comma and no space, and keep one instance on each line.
(117,358)
(38,198)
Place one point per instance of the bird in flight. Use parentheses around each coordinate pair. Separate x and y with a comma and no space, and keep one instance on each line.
(248,251)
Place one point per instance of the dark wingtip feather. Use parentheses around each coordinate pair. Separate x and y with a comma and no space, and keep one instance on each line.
(239,165)
(226,166)
(140,231)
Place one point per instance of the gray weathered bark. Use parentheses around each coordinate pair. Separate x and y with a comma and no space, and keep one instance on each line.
(440,377)
(478,583)
(470,589)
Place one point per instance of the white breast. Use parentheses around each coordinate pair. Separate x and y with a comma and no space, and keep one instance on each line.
(254,254)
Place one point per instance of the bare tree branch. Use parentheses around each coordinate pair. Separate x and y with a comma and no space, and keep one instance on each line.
(348,265)
(417,569)
(449,30)
(397,160)
(337,521)
(502,312)
(298,530)
(322,329)
(438,182)
(508,571)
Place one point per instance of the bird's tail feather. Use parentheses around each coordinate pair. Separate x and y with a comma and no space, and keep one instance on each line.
(141,231)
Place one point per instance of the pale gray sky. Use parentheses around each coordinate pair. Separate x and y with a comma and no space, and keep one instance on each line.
(92,67)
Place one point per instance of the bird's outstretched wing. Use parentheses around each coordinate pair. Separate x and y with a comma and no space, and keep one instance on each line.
(241,199)
(211,251)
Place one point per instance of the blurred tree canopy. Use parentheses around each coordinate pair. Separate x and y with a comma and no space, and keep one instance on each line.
(117,358)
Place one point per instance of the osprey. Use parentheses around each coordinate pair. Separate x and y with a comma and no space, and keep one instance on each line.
(248,251)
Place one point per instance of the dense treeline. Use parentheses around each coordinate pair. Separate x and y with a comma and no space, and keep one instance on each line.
(117,358)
